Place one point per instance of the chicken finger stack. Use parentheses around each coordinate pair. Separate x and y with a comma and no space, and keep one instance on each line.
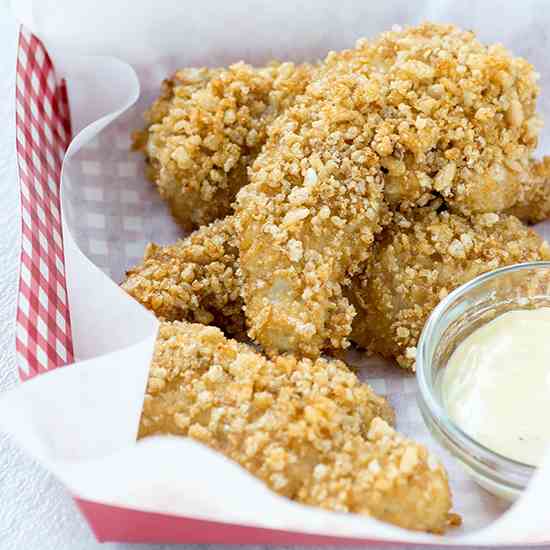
(344,200)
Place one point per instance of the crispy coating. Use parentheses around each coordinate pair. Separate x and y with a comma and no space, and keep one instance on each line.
(533,200)
(419,260)
(196,280)
(448,116)
(193,280)
(308,217)
(309,429)
(205,129)
(417,113)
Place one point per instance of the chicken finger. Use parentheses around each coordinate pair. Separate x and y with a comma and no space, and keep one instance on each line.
(206,128)
(418,261)
(310,430)
(308,217)
(193,280)
(448,116)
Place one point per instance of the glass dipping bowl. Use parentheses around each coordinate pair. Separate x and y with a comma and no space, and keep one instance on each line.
(520,286)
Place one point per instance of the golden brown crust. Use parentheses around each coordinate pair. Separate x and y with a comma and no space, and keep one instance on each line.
(308,218)
(309,429)
(533,200)
(193,280)
(417,113)
(448,116)
(206,128)
(419,260)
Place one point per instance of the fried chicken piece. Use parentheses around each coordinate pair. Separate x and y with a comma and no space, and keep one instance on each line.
(308,217)
(309,429)
(206,128)
(194,280)
(533,201)
(448,116)
(422,258)
(416,113)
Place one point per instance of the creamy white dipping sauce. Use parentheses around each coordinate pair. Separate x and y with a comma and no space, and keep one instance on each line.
(496,386)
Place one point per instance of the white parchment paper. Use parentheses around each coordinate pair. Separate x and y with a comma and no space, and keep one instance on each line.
(81,421)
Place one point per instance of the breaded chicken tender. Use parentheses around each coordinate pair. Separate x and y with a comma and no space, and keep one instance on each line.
(309,429)
(533,200)
(308,217)
(207,126)
(196,279)
(422,258)
(416,114)
(448,116)
(193,280)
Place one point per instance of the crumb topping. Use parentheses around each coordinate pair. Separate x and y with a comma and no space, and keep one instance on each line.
(417,264)
(207,126)
(309,429)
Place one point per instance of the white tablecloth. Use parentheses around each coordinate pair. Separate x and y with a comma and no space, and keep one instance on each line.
(36,513)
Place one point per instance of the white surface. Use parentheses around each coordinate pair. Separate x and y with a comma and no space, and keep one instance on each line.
(35,512)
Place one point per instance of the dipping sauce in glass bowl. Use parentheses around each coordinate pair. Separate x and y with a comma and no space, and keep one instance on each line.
(483,368)
(496,385)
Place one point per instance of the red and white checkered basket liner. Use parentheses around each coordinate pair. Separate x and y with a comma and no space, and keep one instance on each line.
(43,336)
(43,133)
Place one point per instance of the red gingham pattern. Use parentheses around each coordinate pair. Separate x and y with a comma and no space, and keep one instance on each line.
(43,131)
